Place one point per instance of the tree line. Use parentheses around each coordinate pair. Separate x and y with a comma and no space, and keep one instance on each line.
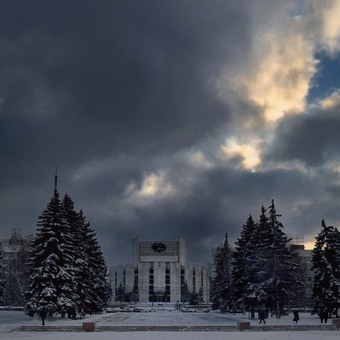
(263,271)
(63,270)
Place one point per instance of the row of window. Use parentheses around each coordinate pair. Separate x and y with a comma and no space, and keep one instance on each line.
(167,278)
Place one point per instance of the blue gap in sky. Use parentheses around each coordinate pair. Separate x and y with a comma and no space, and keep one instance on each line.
(327,79)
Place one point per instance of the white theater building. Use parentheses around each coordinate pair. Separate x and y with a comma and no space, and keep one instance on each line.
(159,271)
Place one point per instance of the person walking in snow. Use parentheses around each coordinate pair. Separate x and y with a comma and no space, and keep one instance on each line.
(43,315)
(296,316)
(262,315)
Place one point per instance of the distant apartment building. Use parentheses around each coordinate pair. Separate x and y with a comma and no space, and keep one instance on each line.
(14,266)
(159,273)
(12,246)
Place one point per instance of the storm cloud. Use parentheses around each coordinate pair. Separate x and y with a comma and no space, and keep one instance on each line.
(168,118)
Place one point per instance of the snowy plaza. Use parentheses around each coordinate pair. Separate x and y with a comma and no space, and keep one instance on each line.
(126,324)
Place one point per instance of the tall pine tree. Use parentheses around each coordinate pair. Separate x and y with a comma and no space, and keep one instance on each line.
(269,265)
(285,281)
(239,262)
(97,291)
(253,258)
(222,287)
(326,266)
(48,263)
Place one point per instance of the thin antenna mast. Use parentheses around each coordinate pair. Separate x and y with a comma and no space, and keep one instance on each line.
(56,178)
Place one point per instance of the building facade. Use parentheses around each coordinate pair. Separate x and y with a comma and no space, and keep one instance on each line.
(158,273)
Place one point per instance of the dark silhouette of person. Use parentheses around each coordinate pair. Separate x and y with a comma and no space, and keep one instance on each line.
(262,315)
(43,315)
(323,315)
(296,316)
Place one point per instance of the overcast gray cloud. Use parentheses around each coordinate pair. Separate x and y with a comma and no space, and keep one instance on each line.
(313,139)
(168,118)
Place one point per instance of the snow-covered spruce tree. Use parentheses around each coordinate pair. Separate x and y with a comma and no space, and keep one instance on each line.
(69,299)
(239,262)
(185,294)
(221,286)
(252,258)
(98,291)
(51,284)
(270,266)
(285,282)
(326,266)
(90,271)
(120,293)
(133,296)
(82,274)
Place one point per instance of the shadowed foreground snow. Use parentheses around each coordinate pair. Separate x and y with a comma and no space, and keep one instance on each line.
(9,321)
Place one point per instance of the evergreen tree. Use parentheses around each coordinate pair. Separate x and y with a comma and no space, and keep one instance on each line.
(200,295)
(47,260)
(252,260)
(120,293)
(222,288)
(99,290)
(185,294)
(239,277)
(285,281)
(134,295)
(270,267)
(194,298)
(326,266)
(83,274)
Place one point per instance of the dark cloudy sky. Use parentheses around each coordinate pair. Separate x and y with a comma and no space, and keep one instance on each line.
(170,118)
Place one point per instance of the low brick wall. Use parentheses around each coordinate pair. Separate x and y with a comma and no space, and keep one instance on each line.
(89,326)
(243,325)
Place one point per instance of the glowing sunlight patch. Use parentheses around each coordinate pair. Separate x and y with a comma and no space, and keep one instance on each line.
(309,245)
(282,80)
(247,152)
(155,184)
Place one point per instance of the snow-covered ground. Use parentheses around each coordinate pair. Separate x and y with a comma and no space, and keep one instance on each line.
(10,320)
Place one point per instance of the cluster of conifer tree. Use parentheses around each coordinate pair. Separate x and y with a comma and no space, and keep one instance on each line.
(261,271)
(68,273)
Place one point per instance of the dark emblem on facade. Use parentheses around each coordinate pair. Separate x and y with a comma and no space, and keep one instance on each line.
(158,247)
